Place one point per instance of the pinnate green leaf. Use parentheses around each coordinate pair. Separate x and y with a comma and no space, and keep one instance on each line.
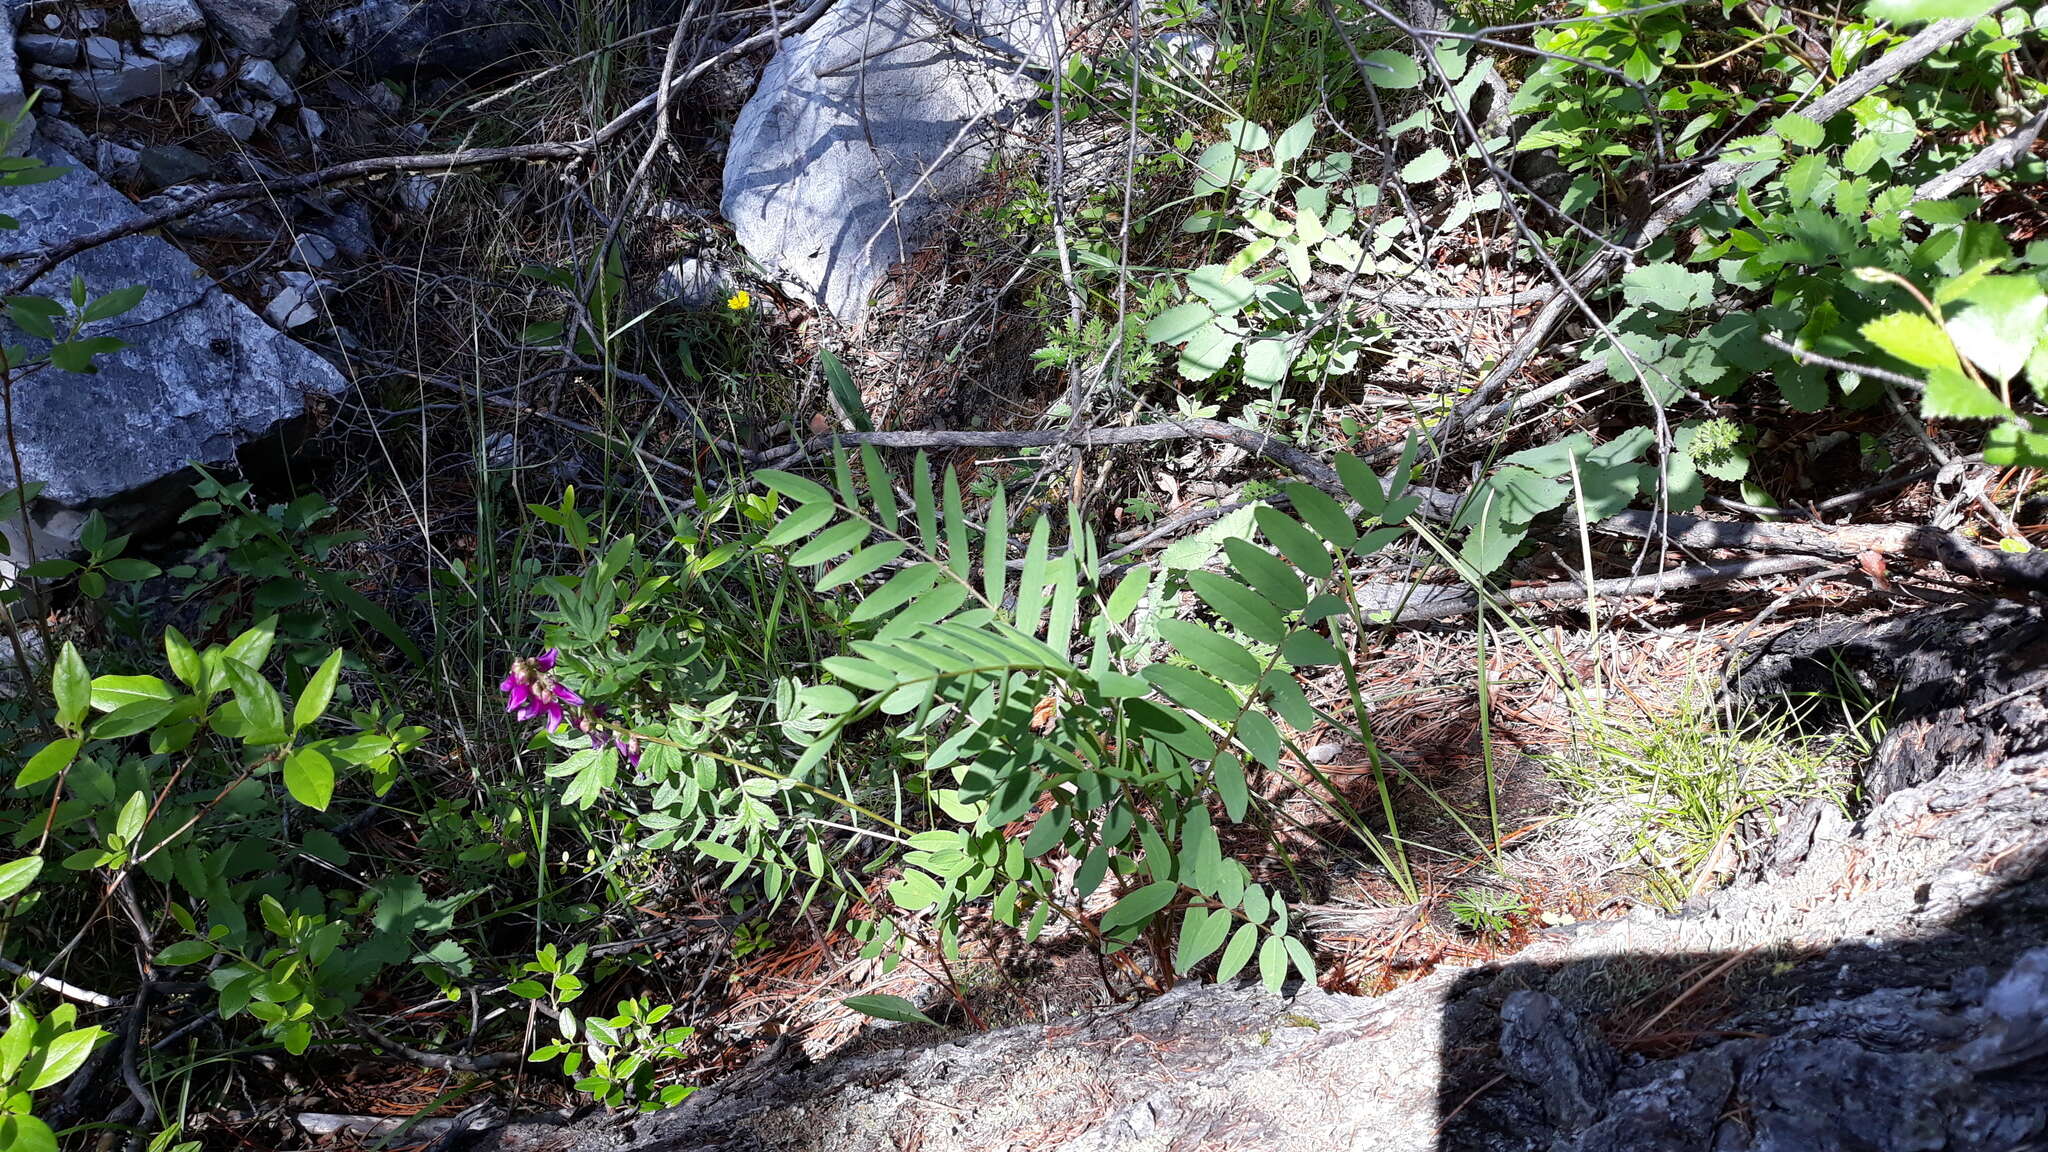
(1139,906)
(885,1007)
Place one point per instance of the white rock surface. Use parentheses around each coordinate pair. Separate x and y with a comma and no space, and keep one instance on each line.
(13,95)
(298,301)
(696,284)
(166,17)
(869,125)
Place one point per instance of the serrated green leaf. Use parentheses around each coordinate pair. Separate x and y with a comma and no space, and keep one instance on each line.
(2006,317)
(1389,69)
(1914,338)
(1800,130)
(1922,11)
(1667,286)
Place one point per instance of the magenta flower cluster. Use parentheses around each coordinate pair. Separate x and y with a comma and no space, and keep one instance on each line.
(533,693)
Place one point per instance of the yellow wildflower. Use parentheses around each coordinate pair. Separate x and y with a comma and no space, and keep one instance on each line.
(739,301)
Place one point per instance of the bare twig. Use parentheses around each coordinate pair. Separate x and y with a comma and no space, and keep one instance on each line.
(44,259)
(62,988)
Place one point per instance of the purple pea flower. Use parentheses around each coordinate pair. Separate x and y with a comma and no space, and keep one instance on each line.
(532,692)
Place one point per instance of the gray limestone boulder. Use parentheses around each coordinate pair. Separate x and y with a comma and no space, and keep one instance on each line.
(202,374)
(115,74)
(263,28)
(13,95)
(403,38)
(869,126)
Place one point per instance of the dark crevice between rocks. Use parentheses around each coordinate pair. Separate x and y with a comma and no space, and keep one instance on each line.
(1931,1033)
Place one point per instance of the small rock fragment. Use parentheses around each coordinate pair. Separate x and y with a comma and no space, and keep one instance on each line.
(293,61)
(350,228)
(117,163)
(695,284)
(225,121)
(68,136)
(179,52)
(42,48)
(416,192)
(297,303)
(138,79)
(103,52)
(314,251)
(262,79)
(167,165)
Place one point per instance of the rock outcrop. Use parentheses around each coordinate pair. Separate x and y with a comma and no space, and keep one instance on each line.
(1887,993)
(869,125)
(406,38)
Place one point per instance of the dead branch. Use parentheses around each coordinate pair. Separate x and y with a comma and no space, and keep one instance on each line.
(2000,153)
(1412,604)
(2025,570)
(434,1060)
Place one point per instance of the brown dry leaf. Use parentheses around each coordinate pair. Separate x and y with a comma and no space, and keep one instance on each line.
(1045,715)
